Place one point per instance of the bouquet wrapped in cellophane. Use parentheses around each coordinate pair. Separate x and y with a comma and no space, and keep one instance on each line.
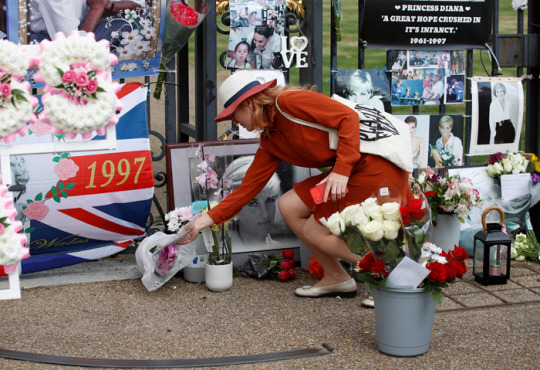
(180,22)
(416,220)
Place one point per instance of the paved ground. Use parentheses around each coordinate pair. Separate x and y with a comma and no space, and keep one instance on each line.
(101,310)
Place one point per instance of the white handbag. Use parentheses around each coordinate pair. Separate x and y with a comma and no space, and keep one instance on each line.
(381,133)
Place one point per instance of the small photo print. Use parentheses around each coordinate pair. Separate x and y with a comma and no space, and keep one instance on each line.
(255,35)
(419,128)
(445,141)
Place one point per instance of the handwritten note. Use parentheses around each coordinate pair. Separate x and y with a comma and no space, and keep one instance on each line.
(514,186)
(407,274)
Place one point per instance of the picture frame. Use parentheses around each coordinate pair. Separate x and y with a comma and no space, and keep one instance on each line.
(141,61)
(496,123)
(183,190)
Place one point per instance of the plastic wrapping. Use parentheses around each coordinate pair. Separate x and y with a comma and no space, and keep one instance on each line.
(159,257)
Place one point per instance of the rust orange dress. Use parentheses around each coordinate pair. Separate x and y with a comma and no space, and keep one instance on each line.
(308,147)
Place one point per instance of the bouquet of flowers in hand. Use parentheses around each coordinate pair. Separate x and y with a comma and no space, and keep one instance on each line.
(442,269)
(525,247)
(416,220)
(382,232)
(180,22)
(447,194)
(346,225)
(511,163)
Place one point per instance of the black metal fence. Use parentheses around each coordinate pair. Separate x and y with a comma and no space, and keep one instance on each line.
(180,95)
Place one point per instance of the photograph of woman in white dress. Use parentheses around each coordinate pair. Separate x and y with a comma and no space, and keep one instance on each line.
(497,114)
(502,129)
(447,151)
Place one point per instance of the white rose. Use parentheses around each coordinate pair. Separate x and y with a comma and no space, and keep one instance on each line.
(353,215)
(497,168)
(390,211)
(491,170)
(349,213)
(362,221)
(375,213)
(390,229)
(336,224)
(373,230)
(507,165)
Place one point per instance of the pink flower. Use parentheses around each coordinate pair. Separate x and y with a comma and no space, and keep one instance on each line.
(40,128)
(36,210)
(68,76)
(1,228)
(92,86)
(5,90)
(82,79)
(65,169)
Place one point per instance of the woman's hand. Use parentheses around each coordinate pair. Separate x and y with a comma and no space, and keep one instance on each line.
(437,157)
(196,226)
(336,186)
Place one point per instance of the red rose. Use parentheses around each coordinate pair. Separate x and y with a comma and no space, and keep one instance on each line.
(430,193)
(379,268)
(367,262)
(288,254)
(417,209)
(288,264)
(437,272)
(315,268)
(459,253)
(405,215)
(283,275)
(461,269)
(292,274)
(452,269)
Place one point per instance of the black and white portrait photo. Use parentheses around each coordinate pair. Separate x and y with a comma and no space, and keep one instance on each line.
(497,114)
(258,226)
(364,86)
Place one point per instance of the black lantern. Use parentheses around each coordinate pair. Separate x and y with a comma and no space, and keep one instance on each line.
(491,253)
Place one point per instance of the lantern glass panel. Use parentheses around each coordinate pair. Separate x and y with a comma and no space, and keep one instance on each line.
(497,260)
(478,262)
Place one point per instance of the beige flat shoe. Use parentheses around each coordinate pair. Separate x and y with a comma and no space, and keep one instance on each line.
(368,303)
(347,289)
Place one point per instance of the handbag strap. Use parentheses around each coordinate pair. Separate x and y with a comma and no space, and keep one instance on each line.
(332,132)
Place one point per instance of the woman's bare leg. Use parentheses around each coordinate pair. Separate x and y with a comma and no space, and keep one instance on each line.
(325,247)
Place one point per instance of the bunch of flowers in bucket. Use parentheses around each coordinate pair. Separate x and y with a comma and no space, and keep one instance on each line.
(451,195)
(377,227)
(442,268)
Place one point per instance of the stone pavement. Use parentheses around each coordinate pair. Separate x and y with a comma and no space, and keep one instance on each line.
(101,310)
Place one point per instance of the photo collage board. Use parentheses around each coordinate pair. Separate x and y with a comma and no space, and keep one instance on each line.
(255,34)
(424,77)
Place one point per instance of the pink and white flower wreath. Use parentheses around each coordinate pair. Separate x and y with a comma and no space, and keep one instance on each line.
(12,242)
(80,96)
(16,102)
